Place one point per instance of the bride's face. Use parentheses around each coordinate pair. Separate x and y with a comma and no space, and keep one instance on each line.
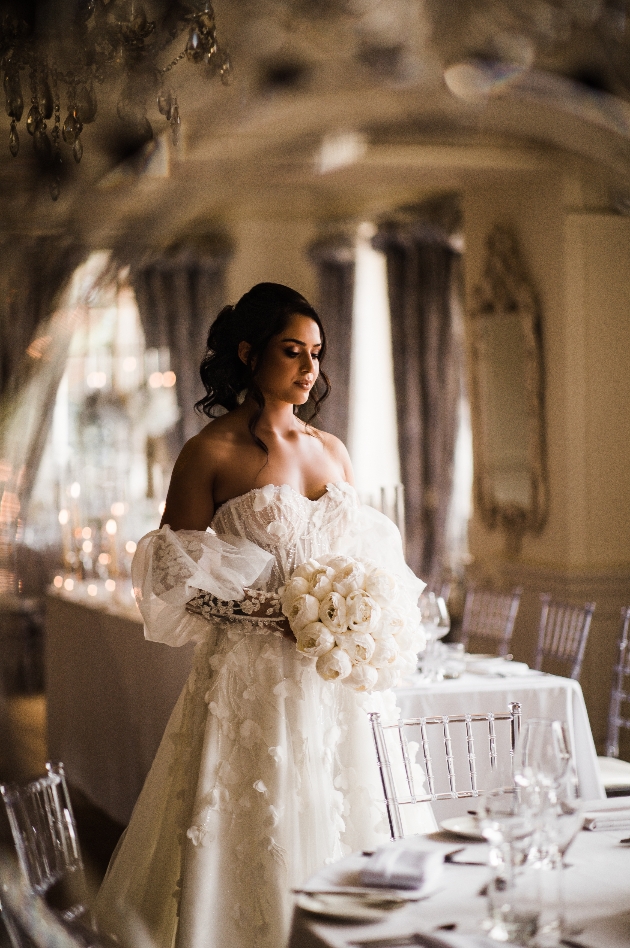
(290,365)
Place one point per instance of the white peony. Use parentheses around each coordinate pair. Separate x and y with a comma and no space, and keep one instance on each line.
(321,582)
(393,622)
(381,586)
(301,611)
(363,612)
(362,678)
(359,645)
(336,561)
(315,639)
(387,677)
(349,578)
(332,612)
(307,570)
(385,652)
(297,586)
(334,664)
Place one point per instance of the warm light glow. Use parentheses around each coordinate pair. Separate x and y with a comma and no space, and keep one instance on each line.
(130,546)
(96,380)
(104,559)
(92,590)
(168,379)
(156,380)
(118,508)
(162,507)
(69,584)
(111,527)
(129,364)
(64,516)
(86,533)
(58,581)
(75,489)
(87,546)
(110,585)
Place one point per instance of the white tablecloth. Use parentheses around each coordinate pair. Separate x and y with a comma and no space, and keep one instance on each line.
(540,696)
(597,892)
(109,696)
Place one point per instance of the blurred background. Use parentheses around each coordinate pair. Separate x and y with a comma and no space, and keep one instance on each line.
(416,168)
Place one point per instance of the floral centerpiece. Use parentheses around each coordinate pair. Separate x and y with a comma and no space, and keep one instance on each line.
(355,620)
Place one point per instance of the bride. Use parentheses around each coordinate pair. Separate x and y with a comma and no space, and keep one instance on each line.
(266,771)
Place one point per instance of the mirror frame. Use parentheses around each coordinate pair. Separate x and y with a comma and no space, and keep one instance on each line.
(505,289)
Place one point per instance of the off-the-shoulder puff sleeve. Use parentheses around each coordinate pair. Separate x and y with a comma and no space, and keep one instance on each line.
(169,568)
(372,536)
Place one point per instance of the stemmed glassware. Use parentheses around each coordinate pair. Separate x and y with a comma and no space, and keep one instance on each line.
(530,831)
(436,623)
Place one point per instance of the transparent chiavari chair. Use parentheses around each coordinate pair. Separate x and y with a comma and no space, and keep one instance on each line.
(45,836)
(399,759)
(562,635)
(488,620)
(615,773)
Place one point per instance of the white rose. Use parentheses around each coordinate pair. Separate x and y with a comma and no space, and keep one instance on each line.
(301,611)
(321,582)
(362,678)
(385,652)
(359,645)
(334,664)
(306,570)
(363,613)
(297,586)
(315,639)
(349,578)
(336,561)
(381,586)
(332,612)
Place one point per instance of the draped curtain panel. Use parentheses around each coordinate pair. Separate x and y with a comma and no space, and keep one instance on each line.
(334,262)
(178,298)
(35,270)
(422,260)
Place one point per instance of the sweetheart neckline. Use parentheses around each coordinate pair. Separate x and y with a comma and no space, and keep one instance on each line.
(256,490)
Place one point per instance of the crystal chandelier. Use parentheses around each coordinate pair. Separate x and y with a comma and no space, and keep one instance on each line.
(93,41)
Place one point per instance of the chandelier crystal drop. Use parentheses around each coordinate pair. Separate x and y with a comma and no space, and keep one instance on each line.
(105,41)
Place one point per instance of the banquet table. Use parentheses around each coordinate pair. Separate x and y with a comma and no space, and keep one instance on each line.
(110,693)
(597,902)
(540,696)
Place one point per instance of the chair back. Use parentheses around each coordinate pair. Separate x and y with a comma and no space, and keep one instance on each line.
(404,780)
(45,835)
(619,710)
(562,635)
(489,619)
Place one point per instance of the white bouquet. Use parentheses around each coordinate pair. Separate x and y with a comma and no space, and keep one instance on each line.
(355,619)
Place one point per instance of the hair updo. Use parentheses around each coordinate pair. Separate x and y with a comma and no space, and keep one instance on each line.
(262,313)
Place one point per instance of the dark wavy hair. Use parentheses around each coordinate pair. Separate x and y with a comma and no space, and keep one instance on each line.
(262,313)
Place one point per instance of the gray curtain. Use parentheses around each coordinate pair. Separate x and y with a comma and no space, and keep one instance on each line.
(334,261)
(422,252)
(34,271)
(179,294)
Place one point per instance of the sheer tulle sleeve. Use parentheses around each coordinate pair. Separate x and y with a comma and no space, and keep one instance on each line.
(170,568)
(373,536)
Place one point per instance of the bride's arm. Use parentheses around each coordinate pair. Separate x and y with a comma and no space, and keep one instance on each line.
(189,502)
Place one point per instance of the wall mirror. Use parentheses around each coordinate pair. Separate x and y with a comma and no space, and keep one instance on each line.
(510,480)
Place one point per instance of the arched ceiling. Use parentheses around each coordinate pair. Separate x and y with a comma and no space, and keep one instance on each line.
(337,108)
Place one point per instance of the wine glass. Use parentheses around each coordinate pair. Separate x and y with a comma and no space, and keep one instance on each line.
(436,624)
(541,755)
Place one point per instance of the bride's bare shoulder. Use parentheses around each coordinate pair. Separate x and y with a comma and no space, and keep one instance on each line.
(337,451)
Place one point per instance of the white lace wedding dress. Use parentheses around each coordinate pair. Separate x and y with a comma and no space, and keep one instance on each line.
(265,772)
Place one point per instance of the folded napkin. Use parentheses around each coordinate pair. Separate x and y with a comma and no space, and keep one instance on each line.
(404,864)
(613,814)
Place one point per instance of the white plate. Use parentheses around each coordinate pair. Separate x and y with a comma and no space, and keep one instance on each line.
(466,826)
(347,907)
